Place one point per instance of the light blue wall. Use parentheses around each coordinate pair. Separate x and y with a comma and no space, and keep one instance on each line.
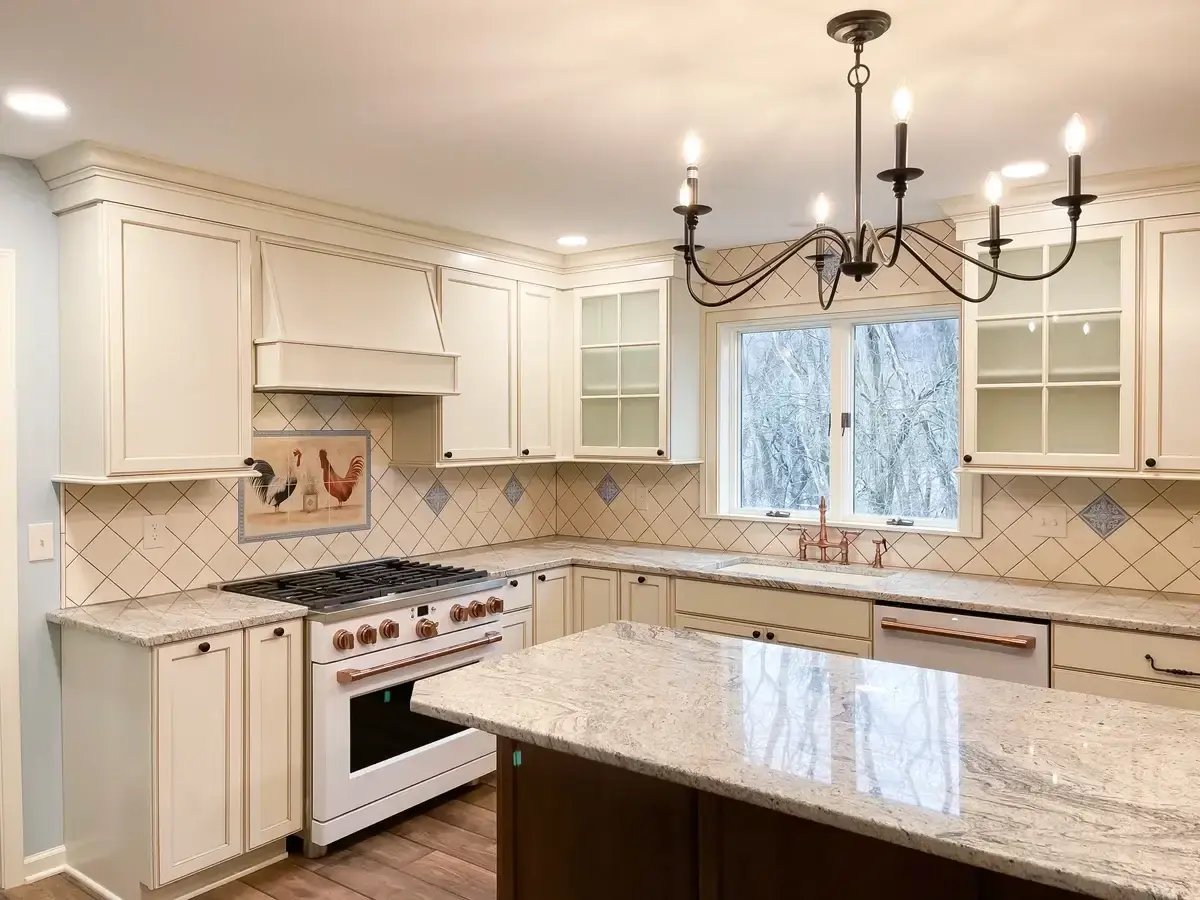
(28,227)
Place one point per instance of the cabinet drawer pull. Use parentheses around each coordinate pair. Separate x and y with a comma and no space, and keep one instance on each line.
(756,633)
(641,579)
(770,635)
(1019,641)
(1187,673)
(541,578)
(1151,463)
(279,631)
(204,647)
(513,583)
(524,452)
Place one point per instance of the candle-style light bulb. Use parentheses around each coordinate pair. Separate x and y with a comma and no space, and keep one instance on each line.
(821,209)
(691,150)
(993,188)
(685,195)
(1075,135)
(902,104)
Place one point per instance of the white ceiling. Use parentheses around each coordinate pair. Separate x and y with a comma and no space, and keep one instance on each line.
(527,119)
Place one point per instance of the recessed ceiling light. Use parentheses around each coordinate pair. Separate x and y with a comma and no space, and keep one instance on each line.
(36,104)
(1030,168)
(572,240)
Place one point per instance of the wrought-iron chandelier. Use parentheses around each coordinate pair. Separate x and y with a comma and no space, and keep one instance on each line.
(859,254)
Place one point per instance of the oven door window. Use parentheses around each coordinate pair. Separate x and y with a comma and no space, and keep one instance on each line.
(383,726)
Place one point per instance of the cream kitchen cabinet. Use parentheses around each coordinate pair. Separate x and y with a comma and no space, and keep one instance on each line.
(774,634)
(1170,363)
(504,411)
(154,346)
(517,628)
(553,611)
(1050,367)
(645,598)
(195,748)
(596,597)
(1127,665)
(637,371)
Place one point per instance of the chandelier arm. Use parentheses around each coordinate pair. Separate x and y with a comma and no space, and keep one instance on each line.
(995,270)
(946,284)
(725,300)
(837,277)
(895,232)
(823,231)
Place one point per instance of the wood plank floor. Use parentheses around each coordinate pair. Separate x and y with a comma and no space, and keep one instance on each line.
(445,850)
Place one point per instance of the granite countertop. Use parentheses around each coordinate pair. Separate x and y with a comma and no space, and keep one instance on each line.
(162,619)
(1080,792)
(1110,607)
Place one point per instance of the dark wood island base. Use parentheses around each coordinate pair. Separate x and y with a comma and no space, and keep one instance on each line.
(573,829)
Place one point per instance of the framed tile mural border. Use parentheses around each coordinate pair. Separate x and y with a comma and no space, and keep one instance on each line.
(309,483)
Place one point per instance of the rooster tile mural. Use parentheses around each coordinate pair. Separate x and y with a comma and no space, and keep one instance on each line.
(308,482)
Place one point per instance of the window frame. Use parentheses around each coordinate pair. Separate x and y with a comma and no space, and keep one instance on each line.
(722,483)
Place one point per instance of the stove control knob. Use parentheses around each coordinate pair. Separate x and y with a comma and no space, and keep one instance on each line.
(343,640)
(458,613)
(426,628)
(477,609)
(495,605)
(367,634)
(389,629)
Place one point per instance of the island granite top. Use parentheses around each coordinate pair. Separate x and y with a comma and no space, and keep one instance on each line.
(162,619)
(1109,607)
(1085,793)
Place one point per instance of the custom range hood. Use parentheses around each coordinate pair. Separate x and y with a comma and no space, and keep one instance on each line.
(338,322)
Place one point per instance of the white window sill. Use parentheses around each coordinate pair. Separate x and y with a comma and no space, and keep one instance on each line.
(814,522)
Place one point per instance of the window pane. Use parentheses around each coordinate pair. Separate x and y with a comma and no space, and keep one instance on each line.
(906,419)
(784,428)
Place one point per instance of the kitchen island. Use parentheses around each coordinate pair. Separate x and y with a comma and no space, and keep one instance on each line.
(639,761)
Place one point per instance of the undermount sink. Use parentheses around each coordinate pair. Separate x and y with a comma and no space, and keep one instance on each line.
(802,571)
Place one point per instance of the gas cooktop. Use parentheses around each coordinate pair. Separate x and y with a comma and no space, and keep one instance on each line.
(341,586)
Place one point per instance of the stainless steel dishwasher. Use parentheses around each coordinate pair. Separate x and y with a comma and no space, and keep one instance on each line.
(991,647)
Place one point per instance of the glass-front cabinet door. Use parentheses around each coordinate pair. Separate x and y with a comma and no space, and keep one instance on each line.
(621,368)
(1050,365)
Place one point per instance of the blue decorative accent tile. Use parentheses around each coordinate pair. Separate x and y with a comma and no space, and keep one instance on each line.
(1104,515)
(514,490)
(608,489)
(437,497)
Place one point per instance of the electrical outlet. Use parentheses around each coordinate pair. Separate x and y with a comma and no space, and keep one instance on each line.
(154,532)
(41,541)
(1049,520)
(1196,531)
(641,497)
(485,499)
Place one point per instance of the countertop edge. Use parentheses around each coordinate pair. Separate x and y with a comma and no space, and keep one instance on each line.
(170,637)
(1002,863)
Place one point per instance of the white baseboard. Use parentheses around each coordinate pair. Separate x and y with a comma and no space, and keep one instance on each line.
(44,864)
(90,886)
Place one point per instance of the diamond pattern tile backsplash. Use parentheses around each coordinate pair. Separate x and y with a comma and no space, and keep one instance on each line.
(414,510)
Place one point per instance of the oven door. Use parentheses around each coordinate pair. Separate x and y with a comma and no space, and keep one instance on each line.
(367,743)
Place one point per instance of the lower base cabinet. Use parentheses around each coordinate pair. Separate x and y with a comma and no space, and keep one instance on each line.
(596,596)
(181,757)
(645,598)
(552,608)
(517,628)
(773,634)
(1126,665)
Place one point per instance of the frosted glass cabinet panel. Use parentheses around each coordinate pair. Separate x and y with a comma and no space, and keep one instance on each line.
(621,370)
(1049,367)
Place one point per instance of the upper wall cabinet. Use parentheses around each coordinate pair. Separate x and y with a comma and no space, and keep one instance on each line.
(636,372)
(1050,367)
(503,411)
(154,344)
(1170,361)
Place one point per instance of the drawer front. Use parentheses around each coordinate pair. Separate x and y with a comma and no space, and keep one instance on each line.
(790,609)
(518,595)
(1115,652)
(1127,688)
(790,637)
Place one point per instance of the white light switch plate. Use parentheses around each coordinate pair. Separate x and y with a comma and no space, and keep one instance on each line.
(1196,531)
(485,498)
(154,532)
(1049,520)
(641,497)
(41,541)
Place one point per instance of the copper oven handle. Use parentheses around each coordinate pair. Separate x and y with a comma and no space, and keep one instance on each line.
(1020,641)
(349,676)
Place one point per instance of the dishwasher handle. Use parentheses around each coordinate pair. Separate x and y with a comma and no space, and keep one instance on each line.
(1017,641)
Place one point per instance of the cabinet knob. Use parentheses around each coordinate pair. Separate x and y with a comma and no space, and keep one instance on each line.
(278,632)
(756,633)
(770,635)
(641,579)
(967,458)
(513,583)
(1151,463)
(204,647)
(541,578)
(662,452)
(524,452)
(448,455)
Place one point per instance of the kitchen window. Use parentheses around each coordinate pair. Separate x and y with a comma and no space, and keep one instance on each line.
(862,409)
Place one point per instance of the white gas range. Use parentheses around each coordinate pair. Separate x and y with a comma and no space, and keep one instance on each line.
(374,629)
